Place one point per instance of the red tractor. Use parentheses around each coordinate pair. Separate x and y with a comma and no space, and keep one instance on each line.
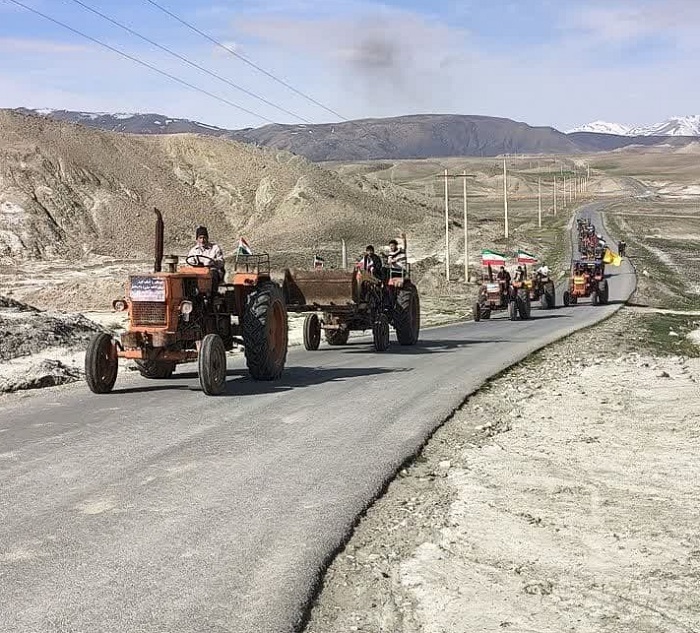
(496,295)
(181,315)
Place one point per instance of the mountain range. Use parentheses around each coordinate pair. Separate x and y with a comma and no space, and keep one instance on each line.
(675,126)
(403,137)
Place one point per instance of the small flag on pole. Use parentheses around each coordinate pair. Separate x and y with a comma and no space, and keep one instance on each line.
(243,247)
(492,258)
(318,261)
(526,258)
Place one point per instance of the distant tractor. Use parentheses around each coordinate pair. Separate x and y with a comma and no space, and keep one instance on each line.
(497,295)
(587,279)
(540,288)
(338,302)
(180,315)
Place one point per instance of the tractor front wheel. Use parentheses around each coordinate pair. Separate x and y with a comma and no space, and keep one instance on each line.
(566,298)
(513,310)
(265,334)
(212,365)
(380,333)
(407,316)
(312,332)
(477,311)
(101,363)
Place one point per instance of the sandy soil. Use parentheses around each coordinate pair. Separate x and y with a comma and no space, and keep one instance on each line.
(562,497)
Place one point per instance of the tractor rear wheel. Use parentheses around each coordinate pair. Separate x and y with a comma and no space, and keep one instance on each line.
(212,365)
(380,333)
(265,333)
(407,316)
(101,363)
(155,368)
(312,332)
(337,337)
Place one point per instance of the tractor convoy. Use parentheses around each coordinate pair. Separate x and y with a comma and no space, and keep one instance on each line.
(190,312)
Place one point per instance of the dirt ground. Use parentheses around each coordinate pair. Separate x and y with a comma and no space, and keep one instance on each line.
(561,497)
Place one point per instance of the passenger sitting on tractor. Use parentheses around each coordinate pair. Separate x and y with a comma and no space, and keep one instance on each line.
(519,276)
(542,271)
(396,257)
(211,255)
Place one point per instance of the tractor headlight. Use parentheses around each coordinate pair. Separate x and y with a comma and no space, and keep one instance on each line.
(186,307)
(120,305)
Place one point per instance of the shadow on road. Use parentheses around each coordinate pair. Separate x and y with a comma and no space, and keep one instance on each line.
(292,378)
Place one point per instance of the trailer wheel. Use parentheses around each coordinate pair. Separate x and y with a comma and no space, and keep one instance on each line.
(407,316)
(101,363)
(312,332)
(380,333)
(155,368)
(212,365)
(477,311)
(265,335)
(337,337)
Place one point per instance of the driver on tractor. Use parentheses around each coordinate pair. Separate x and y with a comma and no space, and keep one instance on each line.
(207,253)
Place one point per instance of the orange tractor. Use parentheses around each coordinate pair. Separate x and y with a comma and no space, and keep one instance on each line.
(587,279)
(341,301)
(181,315)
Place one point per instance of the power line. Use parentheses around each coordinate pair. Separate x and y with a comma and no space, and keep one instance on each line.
(245,59)
(188,61)
(141,62)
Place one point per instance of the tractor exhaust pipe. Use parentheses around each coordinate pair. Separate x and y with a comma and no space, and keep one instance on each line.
(157,263)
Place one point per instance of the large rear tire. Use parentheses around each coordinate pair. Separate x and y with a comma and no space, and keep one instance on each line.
(337,337)
(380,334)
(265,334)
(312,332)
(101,363)
(407,316)
(157,369)
(212,365)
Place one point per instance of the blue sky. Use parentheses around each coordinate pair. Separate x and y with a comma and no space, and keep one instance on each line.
(545,62)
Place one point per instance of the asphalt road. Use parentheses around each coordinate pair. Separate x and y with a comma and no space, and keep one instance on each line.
(159,509)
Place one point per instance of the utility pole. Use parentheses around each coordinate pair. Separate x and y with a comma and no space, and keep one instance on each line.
(505,200)
(447,230)
(343,255)
(539,203)
(554,193)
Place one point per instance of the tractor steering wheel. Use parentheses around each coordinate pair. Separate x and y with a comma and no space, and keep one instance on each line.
(195,260)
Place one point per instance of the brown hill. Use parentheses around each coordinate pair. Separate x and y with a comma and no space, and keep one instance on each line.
(66,189)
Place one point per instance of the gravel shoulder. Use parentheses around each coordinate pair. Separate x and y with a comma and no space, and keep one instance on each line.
(559,497)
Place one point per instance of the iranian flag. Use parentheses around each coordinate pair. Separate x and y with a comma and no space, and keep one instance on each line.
(526,258)
(492,258)
(243,247)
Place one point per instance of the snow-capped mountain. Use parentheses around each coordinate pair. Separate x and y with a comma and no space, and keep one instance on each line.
(603,127)
(129,122)
(675,126)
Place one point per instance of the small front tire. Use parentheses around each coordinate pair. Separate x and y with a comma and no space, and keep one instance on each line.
(212,365)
